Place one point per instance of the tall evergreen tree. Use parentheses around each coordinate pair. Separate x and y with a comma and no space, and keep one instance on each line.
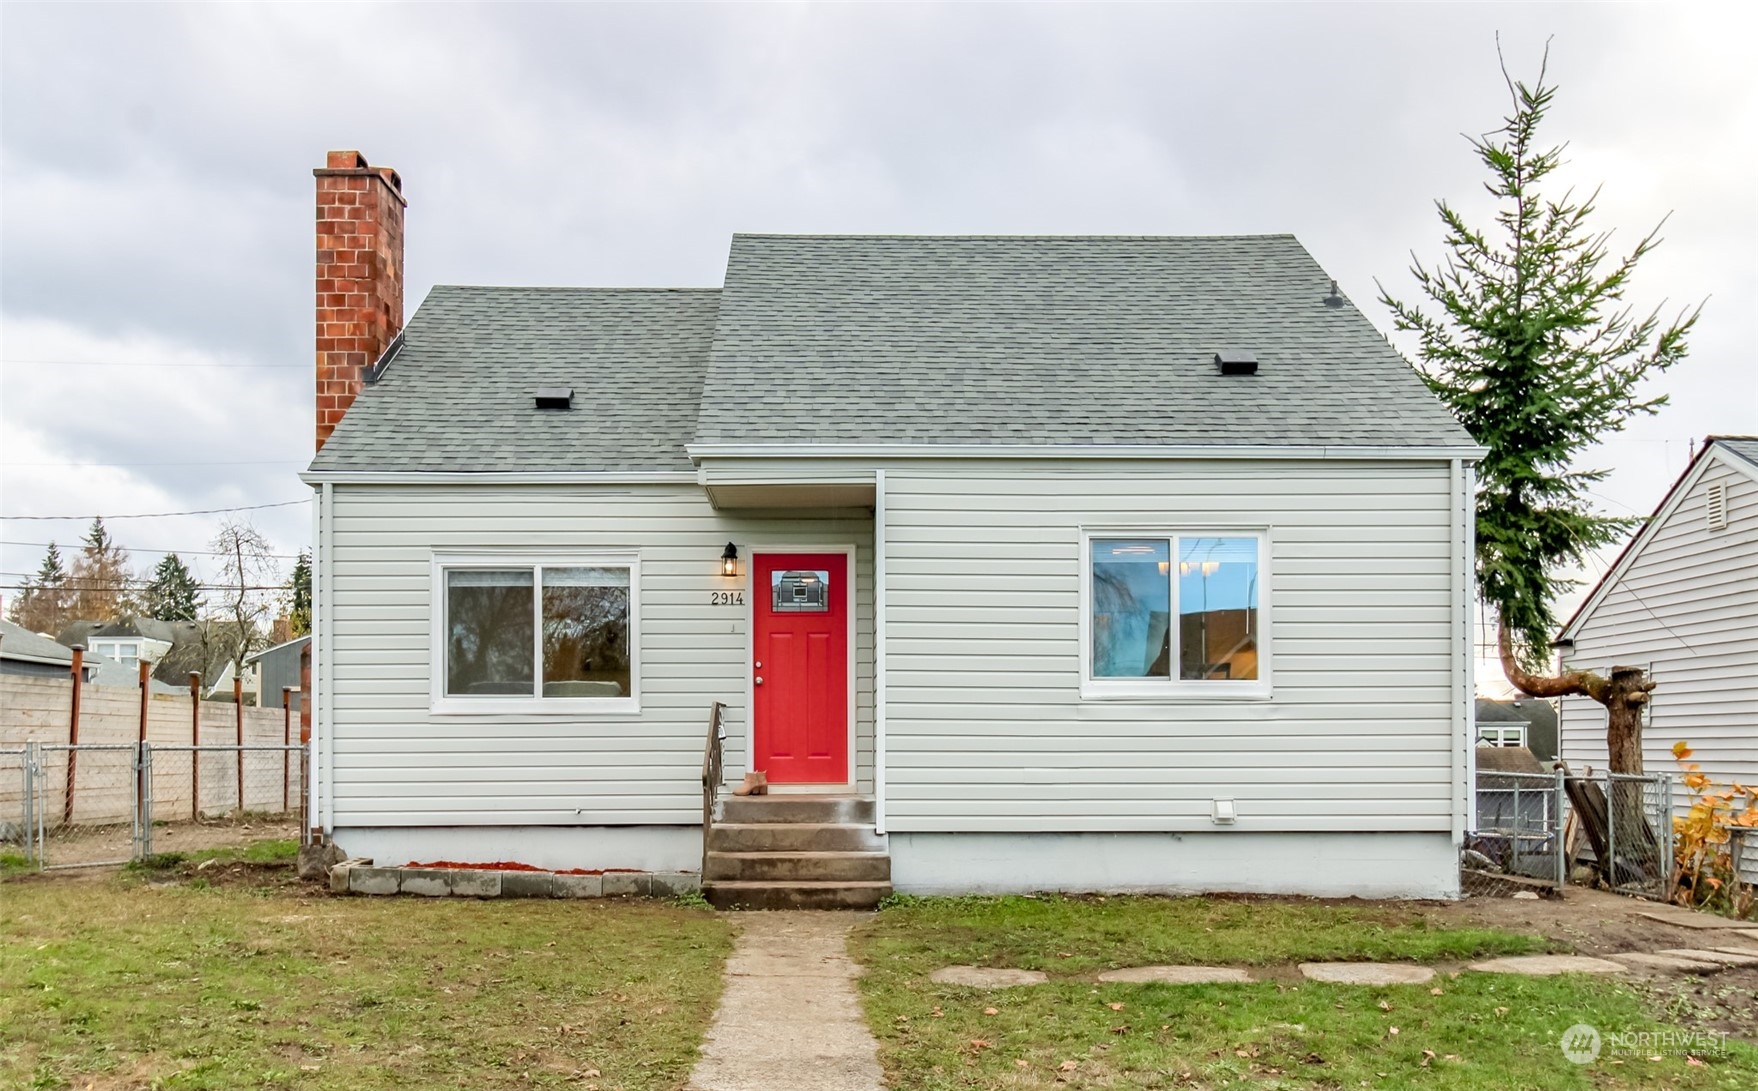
(299,596)
(102,587)
(173,594)
(1532,345)
(41,605)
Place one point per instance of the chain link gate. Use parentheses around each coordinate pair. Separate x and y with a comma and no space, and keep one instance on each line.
(85,803)
(1516,840)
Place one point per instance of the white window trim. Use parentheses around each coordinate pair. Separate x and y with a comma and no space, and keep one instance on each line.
(444,704)
(1175,688)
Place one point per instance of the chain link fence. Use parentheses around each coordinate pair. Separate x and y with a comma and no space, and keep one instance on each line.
(1530,830)
(86,805)
(15,815)
(1639,834)
(1516,843)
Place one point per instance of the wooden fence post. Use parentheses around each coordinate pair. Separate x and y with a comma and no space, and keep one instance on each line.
(195,741)
(238,718)
(286,741)
(77,677)
(141,787)
(309,835)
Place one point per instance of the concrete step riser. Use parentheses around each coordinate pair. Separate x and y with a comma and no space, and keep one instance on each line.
(798,868)
(783,809)
(784,897)
(778,837)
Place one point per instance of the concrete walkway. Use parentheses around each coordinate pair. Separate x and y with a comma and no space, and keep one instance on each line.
(789,1019)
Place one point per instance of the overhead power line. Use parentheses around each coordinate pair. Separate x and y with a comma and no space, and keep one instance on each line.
(205,462)
(145,366)
(155,514)
(74,546)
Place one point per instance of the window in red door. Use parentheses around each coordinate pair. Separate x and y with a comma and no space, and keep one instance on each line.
(799,667)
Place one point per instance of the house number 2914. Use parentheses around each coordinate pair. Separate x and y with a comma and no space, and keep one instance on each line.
(726,598)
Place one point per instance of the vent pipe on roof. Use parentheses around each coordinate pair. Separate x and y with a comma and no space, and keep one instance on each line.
(1234,362)
(1335,299)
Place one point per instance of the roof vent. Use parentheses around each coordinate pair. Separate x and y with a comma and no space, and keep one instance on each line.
(1234,362)
(1335,299)
(555,397)
(1717,505)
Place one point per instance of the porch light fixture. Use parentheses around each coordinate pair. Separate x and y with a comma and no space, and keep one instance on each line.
(729,560)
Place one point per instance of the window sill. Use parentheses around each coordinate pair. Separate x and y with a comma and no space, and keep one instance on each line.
(572,708)
(1175,694)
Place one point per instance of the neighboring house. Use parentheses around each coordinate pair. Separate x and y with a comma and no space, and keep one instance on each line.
(174,648)
(268,672)
(1084,563)
(28,653)
(1523,721)
(1682,603)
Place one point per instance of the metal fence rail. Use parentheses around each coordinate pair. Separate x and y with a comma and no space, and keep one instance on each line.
(84,805)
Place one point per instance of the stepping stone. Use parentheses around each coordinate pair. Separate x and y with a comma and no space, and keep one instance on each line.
(1718,955)
(1670,963)
(984,977)
(1684,918)
(1176,975)
(1546,965)
(1366,973)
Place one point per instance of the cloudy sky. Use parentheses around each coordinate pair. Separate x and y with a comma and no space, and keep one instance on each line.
(156,189)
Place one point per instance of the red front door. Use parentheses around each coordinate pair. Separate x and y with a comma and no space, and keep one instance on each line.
(799,667)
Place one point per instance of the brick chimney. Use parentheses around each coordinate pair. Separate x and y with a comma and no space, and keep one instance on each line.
(359,277)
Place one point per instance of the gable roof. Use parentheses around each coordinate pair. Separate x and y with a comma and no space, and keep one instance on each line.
(458,395)
(940,340)
(18,642)
(1049,340)
(1739,452)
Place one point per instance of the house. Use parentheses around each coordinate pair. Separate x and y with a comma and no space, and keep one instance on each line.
(1681,601)
(32,654)
(176,649)
(1525,721)
(270,671)
(1144,564)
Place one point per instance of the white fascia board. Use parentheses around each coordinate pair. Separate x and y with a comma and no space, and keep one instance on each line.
(1729,458)
(1114,451)
(420,477)
(1633,549)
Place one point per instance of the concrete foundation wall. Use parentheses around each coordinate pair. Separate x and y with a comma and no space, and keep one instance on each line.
(637,848)
(1339,865)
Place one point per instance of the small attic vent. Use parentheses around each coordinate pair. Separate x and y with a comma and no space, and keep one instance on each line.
(1716,505)
(1233,362)
(555,397)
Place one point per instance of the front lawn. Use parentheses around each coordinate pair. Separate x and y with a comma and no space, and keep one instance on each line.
(1464,1030)
(220,972)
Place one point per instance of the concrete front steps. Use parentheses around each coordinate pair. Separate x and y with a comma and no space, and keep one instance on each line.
(796,852)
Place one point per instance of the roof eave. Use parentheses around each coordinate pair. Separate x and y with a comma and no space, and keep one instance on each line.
(1112,451)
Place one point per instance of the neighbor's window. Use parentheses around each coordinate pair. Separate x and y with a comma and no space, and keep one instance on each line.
(1170,609)
(539,630)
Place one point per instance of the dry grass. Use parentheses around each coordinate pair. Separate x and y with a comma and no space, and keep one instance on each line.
(234,976)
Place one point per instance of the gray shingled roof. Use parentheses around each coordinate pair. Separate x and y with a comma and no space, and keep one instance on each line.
(895,339)
(1744,446)
(1048,340)
(458,396)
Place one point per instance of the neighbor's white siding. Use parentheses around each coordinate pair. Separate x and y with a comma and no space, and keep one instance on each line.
(1686,608)
(986,727)
(398,764)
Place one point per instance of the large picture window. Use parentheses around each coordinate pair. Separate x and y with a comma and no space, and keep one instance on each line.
(538,633)
(1175,613)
